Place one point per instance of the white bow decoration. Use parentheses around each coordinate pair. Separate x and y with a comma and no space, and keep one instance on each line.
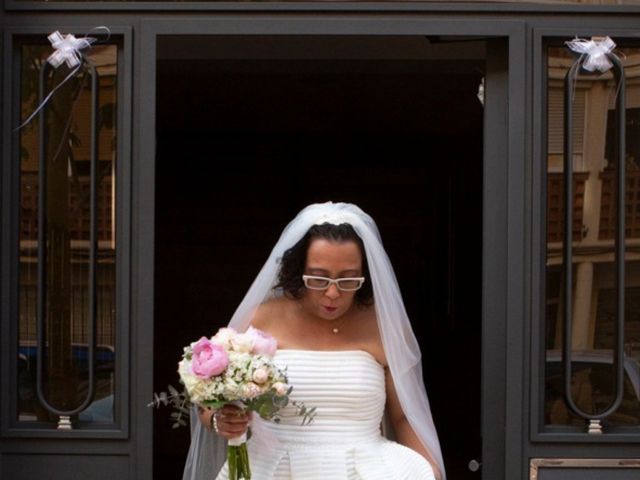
(67,49)
(596,52)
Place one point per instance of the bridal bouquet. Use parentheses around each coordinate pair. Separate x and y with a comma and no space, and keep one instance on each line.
(237,368)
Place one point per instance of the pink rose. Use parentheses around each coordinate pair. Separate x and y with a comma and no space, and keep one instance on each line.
(260,375)
(208,359)
(263,343)
(251,390)
(280,388)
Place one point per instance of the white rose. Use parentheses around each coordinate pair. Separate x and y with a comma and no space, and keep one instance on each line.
(224,336)
(188,378)
(199,393)
(242,343)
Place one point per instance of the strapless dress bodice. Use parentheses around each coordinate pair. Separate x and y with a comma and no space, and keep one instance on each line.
(346,388)
(344,440)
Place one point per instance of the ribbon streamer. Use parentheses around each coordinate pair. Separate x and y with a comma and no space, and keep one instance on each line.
(67,50)
(596,52)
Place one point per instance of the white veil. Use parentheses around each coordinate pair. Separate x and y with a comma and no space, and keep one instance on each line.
(400,345)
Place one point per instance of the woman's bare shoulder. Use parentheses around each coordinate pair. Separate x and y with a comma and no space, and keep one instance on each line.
(269,313)
(370,332)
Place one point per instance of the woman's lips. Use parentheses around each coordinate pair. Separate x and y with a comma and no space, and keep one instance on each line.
(330,309)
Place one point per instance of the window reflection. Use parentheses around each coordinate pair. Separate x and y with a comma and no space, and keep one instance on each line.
(594,217)
(65,360)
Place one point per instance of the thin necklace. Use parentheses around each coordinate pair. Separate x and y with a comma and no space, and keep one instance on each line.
(336,328)
(336,325)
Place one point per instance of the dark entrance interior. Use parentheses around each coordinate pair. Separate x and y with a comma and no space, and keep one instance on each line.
(252,129)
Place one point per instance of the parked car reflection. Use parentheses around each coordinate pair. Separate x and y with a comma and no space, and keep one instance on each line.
(100,410)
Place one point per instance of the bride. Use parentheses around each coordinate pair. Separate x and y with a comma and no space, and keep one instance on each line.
(329,295)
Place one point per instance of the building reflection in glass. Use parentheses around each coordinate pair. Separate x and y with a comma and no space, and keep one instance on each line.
(68,210)
(594,217)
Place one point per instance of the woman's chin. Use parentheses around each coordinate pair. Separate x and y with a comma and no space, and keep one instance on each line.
(330,313)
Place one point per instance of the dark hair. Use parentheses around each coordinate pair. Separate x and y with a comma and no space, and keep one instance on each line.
(294,260)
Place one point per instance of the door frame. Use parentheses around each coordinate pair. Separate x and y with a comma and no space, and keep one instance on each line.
(503,202)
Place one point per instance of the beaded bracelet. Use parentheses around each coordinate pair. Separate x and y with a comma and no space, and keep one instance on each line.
(214,422)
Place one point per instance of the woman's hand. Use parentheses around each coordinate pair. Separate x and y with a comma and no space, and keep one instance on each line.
(228,422)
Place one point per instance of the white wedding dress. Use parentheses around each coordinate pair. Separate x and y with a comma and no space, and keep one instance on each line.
(344,441)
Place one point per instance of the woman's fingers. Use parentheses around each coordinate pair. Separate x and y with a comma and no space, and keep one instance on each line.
(231,421)
(232,410)
(234,419)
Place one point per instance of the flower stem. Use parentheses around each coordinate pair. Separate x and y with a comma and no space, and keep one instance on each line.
(232,459)
(238,461)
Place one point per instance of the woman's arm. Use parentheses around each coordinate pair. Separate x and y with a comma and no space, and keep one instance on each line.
(206,416)
(404,433)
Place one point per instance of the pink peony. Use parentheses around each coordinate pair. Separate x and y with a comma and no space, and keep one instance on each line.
(263,343)
(208,359)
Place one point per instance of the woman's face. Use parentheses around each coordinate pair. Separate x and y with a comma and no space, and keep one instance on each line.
(332,259)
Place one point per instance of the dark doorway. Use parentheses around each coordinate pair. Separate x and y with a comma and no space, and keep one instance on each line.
(250,130)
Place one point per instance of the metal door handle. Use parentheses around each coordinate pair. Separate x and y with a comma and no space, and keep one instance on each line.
(567,312)
(474,465)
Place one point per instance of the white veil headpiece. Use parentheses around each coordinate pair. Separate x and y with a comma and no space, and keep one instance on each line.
(401,348)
